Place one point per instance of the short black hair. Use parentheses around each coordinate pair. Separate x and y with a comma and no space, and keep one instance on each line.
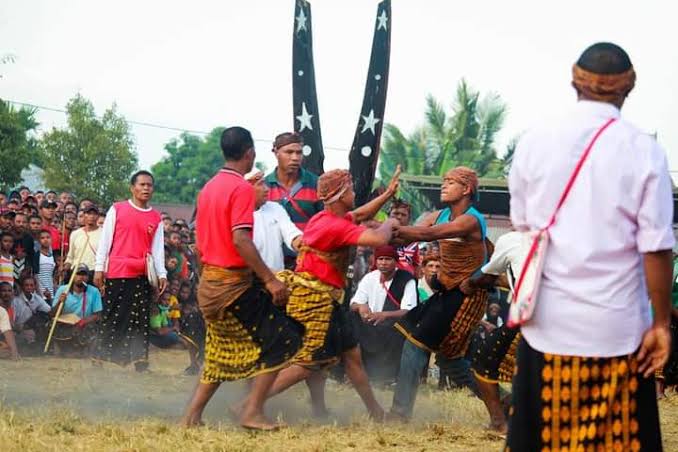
(4,234)
(35,216)
(605,58)
(71,203)
(39,191)
(235,141)
(23,187)
(135,176)
(51,191)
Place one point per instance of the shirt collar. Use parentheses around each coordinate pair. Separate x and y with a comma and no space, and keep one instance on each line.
(230,171)
(596,108)
(272,178)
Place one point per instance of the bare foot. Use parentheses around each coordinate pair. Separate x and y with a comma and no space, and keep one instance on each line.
(498,427)
(190,421)
(378,415)
(320,412)
(392,416)
(259,422)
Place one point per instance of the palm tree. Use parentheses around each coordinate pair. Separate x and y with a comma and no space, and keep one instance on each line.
(465,136)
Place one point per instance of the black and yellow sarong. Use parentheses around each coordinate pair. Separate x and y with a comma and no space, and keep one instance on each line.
(246,336)
(327,329)
(494,359)
(581,404)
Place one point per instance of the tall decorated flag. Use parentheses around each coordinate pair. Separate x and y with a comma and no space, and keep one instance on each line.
(306,116)
(365,148)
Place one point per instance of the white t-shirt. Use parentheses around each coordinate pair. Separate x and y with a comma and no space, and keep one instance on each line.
(593,300)
(371,292)
(507,253)
(272,228)
(5,325)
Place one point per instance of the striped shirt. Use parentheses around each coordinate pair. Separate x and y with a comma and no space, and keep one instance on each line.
(7,269)
(46,274)
(301,201)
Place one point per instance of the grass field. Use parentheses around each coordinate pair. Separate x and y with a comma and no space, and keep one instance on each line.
(50,404)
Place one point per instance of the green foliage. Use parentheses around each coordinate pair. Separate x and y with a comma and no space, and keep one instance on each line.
(190,163)
(17,145)
(92,157)
(465,136)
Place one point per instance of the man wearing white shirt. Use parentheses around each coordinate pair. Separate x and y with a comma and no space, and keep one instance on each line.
(272,227)
(132,230)
(382,297)
(591,333)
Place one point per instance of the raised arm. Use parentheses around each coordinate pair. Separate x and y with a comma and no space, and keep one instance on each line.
(370,209)
(462,226)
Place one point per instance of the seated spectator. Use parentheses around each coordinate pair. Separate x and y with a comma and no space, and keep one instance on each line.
(76,326)
(31,314)
(192,327)
(8,347)
(6,257)
(174,249)
(430,268)
(172,266)
(164,335)
(383,296)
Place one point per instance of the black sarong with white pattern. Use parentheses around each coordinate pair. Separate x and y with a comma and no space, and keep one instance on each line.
(123,336)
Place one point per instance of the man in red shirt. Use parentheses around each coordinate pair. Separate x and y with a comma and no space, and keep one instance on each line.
(247,336)
(317,286)
(47,212)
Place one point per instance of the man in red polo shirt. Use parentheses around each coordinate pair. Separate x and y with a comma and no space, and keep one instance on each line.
(247,336)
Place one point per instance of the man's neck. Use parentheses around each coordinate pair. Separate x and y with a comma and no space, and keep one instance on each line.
(5,254)
(460,207)
(337,208)
(387,276)
(139,203)
(28,296)
(239,166)
(287,180)
(90,227)
(78,289)
(45,251)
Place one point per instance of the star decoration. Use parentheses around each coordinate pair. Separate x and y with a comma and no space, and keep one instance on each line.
(304,119)
(301,21)
(370,122)
(383,19)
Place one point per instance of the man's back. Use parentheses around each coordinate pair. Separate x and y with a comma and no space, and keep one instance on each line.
(620,207)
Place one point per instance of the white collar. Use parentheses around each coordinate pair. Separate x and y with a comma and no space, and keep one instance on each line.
(148,209)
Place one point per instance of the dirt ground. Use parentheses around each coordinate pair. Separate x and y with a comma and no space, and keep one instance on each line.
(66,404)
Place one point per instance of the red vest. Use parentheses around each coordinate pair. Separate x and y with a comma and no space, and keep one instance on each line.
(132,240)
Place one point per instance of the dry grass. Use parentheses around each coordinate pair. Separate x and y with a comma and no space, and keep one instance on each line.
(50,404)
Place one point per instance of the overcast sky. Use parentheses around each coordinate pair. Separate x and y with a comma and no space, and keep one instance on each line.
(200,64)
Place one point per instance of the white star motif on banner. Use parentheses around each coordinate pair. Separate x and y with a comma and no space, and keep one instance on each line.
(304,119)
(370,122)
(383,19)
(301,21)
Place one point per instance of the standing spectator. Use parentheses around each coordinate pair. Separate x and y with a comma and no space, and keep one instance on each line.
(24,192)
(6,258)
(3,199)
(174,248)
(6,220)
(608,263)
(81,218)
(101,220)
(24,240)
(408,255)
(39,196)
(430,267)
(132,231)
(272,227)
(13,205)
(47,266)
(383,296)
(70,207)
(166,222)
(47,213)
(70,225)
(8,348)
(85,203)
(51,196)
(85,241)
(65,198)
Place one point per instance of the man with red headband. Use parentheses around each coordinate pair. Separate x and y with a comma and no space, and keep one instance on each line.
(383,296)
(445,322)
(317,286)
(586,363)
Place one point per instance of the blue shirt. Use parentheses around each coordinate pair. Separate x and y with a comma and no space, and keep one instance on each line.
(73,303)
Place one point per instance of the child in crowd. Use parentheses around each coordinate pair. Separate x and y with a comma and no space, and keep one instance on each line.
(163,335)
(6,258)
(47,268)
(192,327)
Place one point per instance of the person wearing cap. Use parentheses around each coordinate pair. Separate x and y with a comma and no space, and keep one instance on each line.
(383,296)
(82,309)
(608,266)
(47,212)
(85,241)
(444,324)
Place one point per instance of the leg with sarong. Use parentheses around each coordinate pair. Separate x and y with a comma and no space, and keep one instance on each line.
(124,329)
(493,362)
(252,339)
(575,403)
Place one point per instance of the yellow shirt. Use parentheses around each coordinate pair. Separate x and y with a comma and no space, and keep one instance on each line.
(174,310)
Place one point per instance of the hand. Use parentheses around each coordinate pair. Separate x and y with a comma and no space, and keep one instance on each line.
(81,324)
(467,287)
(376,318)
(278,291)
(162,285)
(47,295)
(654,350)
(98,281)
(364,311)
(395,181)
(62,298)
(296,243)
(489,327)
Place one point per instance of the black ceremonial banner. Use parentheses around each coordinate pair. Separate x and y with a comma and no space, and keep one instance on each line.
(365,148)
(306,116)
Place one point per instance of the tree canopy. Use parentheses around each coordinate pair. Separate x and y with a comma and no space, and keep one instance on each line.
(17,144)
(190,163)
(92,157)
